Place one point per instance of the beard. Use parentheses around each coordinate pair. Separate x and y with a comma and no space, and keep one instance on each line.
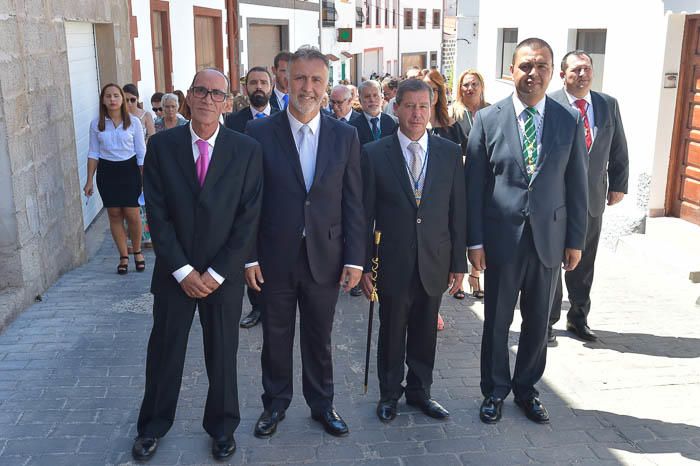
(306,106)
(258,99)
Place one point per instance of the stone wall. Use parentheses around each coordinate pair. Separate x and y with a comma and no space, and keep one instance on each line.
(41,228)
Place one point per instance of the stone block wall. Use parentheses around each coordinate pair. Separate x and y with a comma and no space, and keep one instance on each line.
(41,227)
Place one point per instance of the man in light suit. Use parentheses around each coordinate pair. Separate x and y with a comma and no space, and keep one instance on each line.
(311,240)
(414,195)
(341,104)
(608,172)
(203,189)
(527,197)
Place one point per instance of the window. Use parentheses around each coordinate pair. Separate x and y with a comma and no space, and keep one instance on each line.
(421,18)
(378,13)
(396,13)
(208,40)
(328,13)
(386,14)
(436,19)
(408,18)
(368,20)
(593,42)
(508,42)
(162,55)
(433,60)
(359,17)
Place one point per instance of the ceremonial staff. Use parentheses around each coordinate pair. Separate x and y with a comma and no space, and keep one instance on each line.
(372,299)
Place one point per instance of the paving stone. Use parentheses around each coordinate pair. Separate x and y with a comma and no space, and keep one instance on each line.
(431,460)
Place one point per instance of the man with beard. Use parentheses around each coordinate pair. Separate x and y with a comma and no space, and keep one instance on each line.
(280,99)
(311,241)
(259,89)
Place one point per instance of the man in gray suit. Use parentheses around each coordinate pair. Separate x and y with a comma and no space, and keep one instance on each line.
(608,171)
(527,198)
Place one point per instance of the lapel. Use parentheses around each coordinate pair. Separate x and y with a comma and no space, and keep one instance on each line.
(219,161)
(548,132)
(511,134)
(325,148)
(185,157)
(386,124)
(600,115)
(432,166)
(366,130)
(398,163)
(283,132)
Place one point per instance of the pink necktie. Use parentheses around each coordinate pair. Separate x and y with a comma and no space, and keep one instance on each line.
(581,104)
(202,160)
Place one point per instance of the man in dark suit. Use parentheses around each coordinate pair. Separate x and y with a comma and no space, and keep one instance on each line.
(259,89)
(527,197)
(414,195)
(375,124)
(608,172)
(280,99)
(341,104)
(311,239)
(203,189)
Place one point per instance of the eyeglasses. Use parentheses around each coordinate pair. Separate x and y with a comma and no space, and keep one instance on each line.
(338,102)
(157,109)
(132,100)
(201,92)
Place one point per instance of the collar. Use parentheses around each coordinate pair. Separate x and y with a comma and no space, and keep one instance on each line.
(266,110)
(296,125)
(573,98)
(348,117)
(280,95)
(404,141)
(369,117)
(211,140)
(520,106)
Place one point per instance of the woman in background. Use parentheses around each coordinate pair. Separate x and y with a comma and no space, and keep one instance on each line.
(170,119)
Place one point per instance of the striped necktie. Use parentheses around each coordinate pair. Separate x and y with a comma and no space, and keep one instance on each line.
(530,141)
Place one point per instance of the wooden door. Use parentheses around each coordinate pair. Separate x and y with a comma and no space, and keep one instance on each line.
(683,194)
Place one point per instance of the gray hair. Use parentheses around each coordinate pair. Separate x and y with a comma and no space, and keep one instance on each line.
(168,96)
(412,85)
(369,83)
(347,92)
(391,82)
(309,53)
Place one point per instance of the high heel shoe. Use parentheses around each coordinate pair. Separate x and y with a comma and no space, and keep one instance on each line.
(475,287)
(123,269)
(140,265)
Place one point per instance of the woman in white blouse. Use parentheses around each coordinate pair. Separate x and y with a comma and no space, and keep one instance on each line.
(117,151)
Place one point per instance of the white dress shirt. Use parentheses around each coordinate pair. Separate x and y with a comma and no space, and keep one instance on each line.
(404,141)
(389,107)
(348,116)
(266,110)
(115,143)
(589,111)
(369,120)
(185,270)
(279,95)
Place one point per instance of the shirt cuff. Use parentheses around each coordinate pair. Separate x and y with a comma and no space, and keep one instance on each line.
(219,279)
(182,272)
(251,264)
(354,266)
(477,246)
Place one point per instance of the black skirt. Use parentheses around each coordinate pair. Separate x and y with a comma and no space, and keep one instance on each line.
(119,182)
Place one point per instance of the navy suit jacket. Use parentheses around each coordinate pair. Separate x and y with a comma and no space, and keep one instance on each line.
(237,121)
(500,199)
(387,127)
(331,213)
(353,115)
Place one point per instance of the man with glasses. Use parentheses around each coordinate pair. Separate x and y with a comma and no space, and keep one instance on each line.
(156,106)
(203,189)
(341,103)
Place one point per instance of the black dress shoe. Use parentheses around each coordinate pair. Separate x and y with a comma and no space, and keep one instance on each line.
(252,319)
(144,448)
(581,331)
(331,422)
(223,447)
(534,410)
(356,291)
(490,411)
(551,337)
(267,423)
(386,410)
(430,408)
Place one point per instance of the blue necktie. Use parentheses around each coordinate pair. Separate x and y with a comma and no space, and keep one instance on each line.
(260,115)
(376,134)
(285,99)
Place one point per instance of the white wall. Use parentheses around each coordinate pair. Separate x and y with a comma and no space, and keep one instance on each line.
(467,30)
(421,40)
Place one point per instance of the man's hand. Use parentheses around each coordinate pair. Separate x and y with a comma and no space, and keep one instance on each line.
(571,258)
(210,282)
(614,197)
(350,278)
(366,284)
(454,282)
(253,277)
(477,257)
(194,287)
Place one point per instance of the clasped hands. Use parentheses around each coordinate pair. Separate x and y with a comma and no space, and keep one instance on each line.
(477,257)
(349,278)
(196,285)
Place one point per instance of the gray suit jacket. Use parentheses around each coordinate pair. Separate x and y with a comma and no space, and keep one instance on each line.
(499,197)
(608,162)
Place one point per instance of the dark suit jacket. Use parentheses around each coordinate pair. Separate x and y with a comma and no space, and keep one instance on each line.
(432,235)
(387,127)
(353,115)
(331,212)
(212,226)
(499,197)
(273,101)
(607,160)
(237,121)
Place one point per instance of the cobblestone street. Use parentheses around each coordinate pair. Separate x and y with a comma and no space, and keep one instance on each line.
(72,374)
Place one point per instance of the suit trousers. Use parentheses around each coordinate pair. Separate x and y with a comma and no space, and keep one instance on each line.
(316,311)
(407,332)
(523,275)
(580,280)
(167,345)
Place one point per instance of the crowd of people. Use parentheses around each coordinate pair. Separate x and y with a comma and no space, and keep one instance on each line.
(284,186)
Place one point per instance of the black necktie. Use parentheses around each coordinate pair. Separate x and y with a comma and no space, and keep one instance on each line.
(376,134)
